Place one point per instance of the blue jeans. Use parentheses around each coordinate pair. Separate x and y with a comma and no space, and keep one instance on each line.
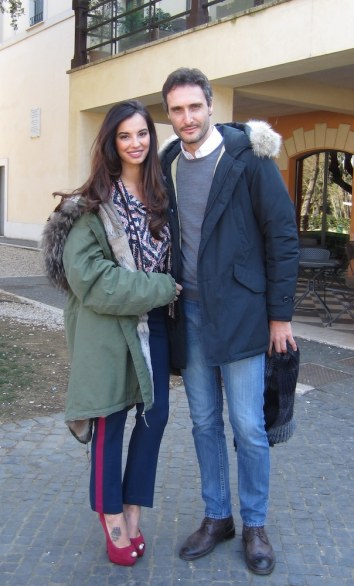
(244,390)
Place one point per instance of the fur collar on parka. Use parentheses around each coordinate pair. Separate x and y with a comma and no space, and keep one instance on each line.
(54,238)
(265,142)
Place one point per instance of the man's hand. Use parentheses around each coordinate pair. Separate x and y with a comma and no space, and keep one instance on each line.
(280,333)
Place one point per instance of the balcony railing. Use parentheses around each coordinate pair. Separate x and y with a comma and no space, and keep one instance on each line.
(36,18)
(107,27)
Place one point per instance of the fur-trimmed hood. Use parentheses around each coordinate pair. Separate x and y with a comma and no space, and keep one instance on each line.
(265,142)
(54,237)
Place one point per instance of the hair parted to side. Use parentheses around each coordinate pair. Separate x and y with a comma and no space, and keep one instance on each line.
(106,165)
(185,76)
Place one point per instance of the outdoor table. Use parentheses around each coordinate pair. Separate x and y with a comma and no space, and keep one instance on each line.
(313,271)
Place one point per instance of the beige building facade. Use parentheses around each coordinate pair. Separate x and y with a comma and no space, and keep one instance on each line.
(286,61)
(34,115)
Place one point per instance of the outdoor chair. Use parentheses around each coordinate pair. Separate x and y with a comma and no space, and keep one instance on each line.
(314,263)
(314,254)
(310,261)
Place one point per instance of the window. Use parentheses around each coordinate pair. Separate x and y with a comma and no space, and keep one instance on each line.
(324,199)
(36,14)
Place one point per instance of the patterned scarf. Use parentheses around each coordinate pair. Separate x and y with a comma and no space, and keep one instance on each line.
(118,240)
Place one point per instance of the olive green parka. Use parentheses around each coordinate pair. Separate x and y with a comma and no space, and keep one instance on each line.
(104,301)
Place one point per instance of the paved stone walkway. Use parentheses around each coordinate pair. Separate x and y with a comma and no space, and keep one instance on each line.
(50,537)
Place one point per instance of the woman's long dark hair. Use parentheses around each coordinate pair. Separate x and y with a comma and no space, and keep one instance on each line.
(107,164)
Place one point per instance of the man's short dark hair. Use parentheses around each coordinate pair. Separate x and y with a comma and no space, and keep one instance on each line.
(184,76)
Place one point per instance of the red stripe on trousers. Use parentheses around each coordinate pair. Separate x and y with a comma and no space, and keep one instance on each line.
(99,463)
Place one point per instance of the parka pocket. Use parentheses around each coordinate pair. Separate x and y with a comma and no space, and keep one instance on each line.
(254,280)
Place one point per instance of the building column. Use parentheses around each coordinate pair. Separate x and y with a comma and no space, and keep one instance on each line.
(80,8)
(83,129)
(223,100)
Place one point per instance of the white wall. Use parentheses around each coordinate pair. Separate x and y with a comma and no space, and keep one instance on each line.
(51,9)
(33,73)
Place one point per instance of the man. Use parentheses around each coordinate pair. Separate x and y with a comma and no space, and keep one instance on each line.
(235,249)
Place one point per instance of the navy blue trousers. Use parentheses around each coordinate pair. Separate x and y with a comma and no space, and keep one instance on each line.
(108,491)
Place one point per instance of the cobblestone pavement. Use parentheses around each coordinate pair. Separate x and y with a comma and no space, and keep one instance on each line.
(50,537)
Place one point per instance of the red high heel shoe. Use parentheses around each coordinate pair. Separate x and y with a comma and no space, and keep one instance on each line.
(123,556)
(139,544)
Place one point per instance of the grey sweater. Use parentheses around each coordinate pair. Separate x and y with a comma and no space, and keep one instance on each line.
(194,178)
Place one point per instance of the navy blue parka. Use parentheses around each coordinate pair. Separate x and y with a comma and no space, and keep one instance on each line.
(248,253)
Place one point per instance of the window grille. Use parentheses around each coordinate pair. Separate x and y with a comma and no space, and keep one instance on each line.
(36,12)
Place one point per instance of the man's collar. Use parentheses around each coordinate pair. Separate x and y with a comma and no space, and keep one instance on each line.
(211,143)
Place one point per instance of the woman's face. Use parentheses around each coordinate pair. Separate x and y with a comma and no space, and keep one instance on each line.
(133,140)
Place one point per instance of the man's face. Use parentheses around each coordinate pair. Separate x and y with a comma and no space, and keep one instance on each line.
(189,114)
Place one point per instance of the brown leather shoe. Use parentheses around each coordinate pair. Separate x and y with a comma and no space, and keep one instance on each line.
(259,554)
(203,541)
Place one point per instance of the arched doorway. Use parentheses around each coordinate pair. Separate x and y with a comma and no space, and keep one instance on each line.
(323,199)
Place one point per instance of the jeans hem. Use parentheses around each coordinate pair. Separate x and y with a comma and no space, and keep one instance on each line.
(218,517)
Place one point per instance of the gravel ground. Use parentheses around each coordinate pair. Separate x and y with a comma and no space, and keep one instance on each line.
(16,261)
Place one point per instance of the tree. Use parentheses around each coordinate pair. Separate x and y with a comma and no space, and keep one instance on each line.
(155,19)
(329,199)
(340,166)
(311,176)
(14,8)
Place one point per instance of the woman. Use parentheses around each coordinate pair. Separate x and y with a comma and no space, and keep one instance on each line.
(108,245)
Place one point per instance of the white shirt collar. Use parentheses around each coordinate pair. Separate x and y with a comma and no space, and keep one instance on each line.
(211,143)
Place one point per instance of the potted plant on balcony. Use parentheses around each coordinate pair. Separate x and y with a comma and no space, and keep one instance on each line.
(139,26)
(144,27)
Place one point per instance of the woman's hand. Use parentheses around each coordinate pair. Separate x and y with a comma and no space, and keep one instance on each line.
(178,291)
